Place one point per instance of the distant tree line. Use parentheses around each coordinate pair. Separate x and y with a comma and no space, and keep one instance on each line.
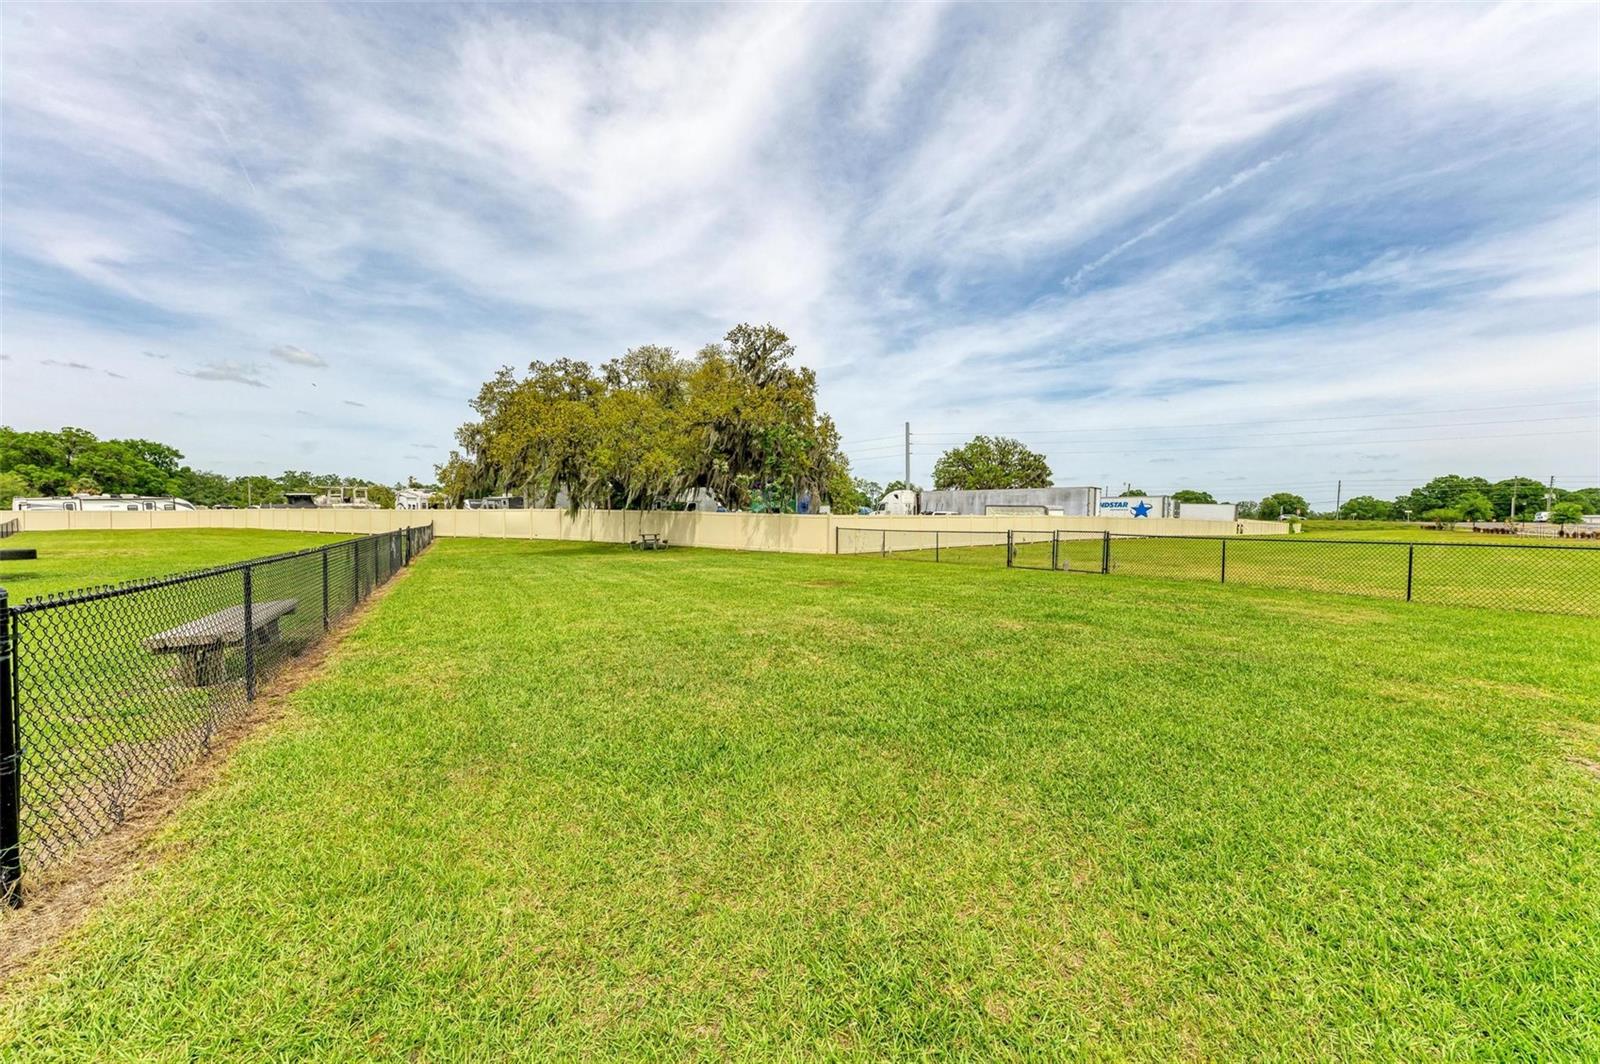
(1456,498)
(652,427)
(76,461)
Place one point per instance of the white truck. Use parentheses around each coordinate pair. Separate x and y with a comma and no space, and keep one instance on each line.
(901,502)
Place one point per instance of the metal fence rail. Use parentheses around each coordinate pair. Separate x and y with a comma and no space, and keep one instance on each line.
(108,693)
(1516,576)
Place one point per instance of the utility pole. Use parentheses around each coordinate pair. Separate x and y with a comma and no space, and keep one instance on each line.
(1550,495)
(1514,485)
(1338,497)
(908,455)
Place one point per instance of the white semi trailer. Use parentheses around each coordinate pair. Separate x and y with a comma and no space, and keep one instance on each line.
(1207,511)
(1136,506)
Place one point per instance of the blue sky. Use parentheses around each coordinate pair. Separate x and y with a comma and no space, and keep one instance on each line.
(1242,249)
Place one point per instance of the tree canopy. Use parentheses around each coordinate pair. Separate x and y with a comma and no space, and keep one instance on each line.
(991,462)
(1365,508)
(1280,503)
(1567,513)
(737,420)
(1191,495)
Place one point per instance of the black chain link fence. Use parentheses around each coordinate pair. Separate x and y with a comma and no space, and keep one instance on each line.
(111,692)
(1516,576)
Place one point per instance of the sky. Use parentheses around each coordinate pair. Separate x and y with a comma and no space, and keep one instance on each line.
(1241,249)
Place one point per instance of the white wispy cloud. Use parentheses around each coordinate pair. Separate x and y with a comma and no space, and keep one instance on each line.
(227,371)
(298,356)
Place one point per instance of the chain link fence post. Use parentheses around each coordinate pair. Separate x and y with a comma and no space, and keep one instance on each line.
(1224,561)
(1105,552)
(324,589)
(1011,548)
(249,641)
(10,766)
(1411,566)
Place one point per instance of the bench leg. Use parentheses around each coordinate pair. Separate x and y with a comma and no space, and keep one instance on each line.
(202,666)
(213,667)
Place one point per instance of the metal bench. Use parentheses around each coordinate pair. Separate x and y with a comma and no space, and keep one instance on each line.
(649,541)
(202,643)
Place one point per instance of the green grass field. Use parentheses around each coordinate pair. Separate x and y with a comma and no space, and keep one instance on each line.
(71,560)
(553,801)
(1412,532)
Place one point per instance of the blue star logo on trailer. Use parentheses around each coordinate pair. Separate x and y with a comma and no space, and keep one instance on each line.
(1142,510)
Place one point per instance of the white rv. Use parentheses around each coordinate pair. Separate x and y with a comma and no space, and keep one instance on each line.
(103,503)
(414,499)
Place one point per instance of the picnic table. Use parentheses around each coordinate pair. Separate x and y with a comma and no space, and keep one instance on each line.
(201,643)
(649,541)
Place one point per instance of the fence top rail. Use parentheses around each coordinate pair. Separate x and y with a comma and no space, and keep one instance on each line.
(95,593)
(934,531)
(1346,542)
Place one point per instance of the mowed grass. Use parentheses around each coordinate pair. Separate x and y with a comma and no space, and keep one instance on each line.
(553,801)
(71,560)
(1402,531)
(1484,573)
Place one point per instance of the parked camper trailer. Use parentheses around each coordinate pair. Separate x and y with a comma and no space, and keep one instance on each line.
(494,502)
(414,499)
(103,503)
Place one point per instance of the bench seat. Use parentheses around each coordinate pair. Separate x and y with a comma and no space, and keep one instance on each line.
(201,642)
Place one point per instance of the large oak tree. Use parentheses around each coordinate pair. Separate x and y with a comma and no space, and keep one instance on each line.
(737,419)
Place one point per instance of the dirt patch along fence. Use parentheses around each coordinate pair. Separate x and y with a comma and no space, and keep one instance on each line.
(109,693)
(1515,576)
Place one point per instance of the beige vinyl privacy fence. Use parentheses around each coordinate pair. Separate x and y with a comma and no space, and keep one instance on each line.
(787,533)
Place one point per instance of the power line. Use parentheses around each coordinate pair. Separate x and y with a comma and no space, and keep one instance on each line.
(1328,443)
(1291,420)
(1362,428)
